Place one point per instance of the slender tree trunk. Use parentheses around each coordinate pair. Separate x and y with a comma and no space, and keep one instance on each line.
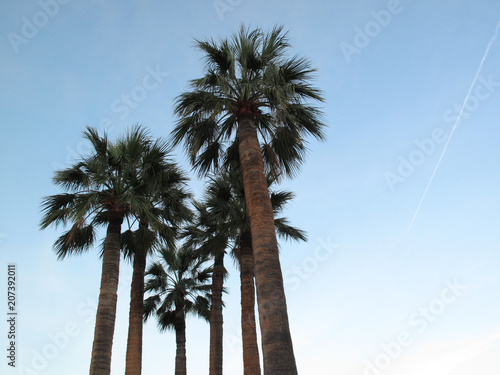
(133,364)
(180,338)
(277,345)
(251,361)
(100,363)
(216,319)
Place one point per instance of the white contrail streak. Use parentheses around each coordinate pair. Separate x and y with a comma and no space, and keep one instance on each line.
(492,40)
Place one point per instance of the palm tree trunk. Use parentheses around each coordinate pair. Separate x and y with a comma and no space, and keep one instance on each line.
(216,319)
(134,342)
(180,338)
(277,345)
(251,361)
(100,363)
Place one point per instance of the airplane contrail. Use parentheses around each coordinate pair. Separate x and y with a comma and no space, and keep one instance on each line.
(485,55)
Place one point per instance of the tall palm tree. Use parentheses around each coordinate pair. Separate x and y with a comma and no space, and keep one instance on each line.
(178,284)
(163,185)
(251,357)
(207,238)
(253,101)
(137,245)
(101,192)
(225,203)
(244,254)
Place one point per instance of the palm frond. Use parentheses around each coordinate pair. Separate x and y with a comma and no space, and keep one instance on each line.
(288,232)
(75,241)
(56,209)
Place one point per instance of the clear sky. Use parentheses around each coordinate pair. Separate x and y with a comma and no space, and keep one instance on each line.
(380,287)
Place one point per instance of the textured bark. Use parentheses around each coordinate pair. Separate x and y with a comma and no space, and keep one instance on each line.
(100,363)
(216,319)
(277,345)
(251,361)
(133,364)
(180,338)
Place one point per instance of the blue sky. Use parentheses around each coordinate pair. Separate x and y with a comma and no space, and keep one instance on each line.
(366,295)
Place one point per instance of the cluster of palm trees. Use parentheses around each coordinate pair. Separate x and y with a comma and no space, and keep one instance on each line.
(243,125)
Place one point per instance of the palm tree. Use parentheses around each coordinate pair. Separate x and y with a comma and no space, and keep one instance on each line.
(179,286)
(101,192)
(162,184)
(206,238)
(137,244)
(253,101)
(244,254)
(225,203)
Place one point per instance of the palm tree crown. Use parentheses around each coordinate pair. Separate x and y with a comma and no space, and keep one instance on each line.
(179,278)
(102,187)
(249,76)
(179,286)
